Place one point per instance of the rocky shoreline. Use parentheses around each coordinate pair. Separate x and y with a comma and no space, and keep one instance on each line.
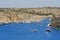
(12,15)
(26,15)
(23,18)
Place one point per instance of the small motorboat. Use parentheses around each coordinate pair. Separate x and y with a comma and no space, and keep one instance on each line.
(35,30)
(49,25)
(48,30)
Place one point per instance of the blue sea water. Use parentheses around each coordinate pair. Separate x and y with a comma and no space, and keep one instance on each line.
(24,31)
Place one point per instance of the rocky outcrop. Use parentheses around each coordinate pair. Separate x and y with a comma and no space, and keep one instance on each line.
(26,15)
(25,18)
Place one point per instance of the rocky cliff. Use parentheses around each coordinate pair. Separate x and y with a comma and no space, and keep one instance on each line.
(26,15)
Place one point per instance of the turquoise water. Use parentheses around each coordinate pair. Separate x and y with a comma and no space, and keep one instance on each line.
(24,31)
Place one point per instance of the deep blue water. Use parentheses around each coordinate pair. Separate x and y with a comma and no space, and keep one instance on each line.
(23,31)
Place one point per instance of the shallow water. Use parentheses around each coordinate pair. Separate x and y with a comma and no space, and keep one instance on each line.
(24,31)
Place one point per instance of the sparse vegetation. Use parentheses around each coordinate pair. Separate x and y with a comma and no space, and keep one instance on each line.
(25,14)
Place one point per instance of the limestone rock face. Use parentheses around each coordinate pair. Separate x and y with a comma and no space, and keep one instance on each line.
(26,15)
